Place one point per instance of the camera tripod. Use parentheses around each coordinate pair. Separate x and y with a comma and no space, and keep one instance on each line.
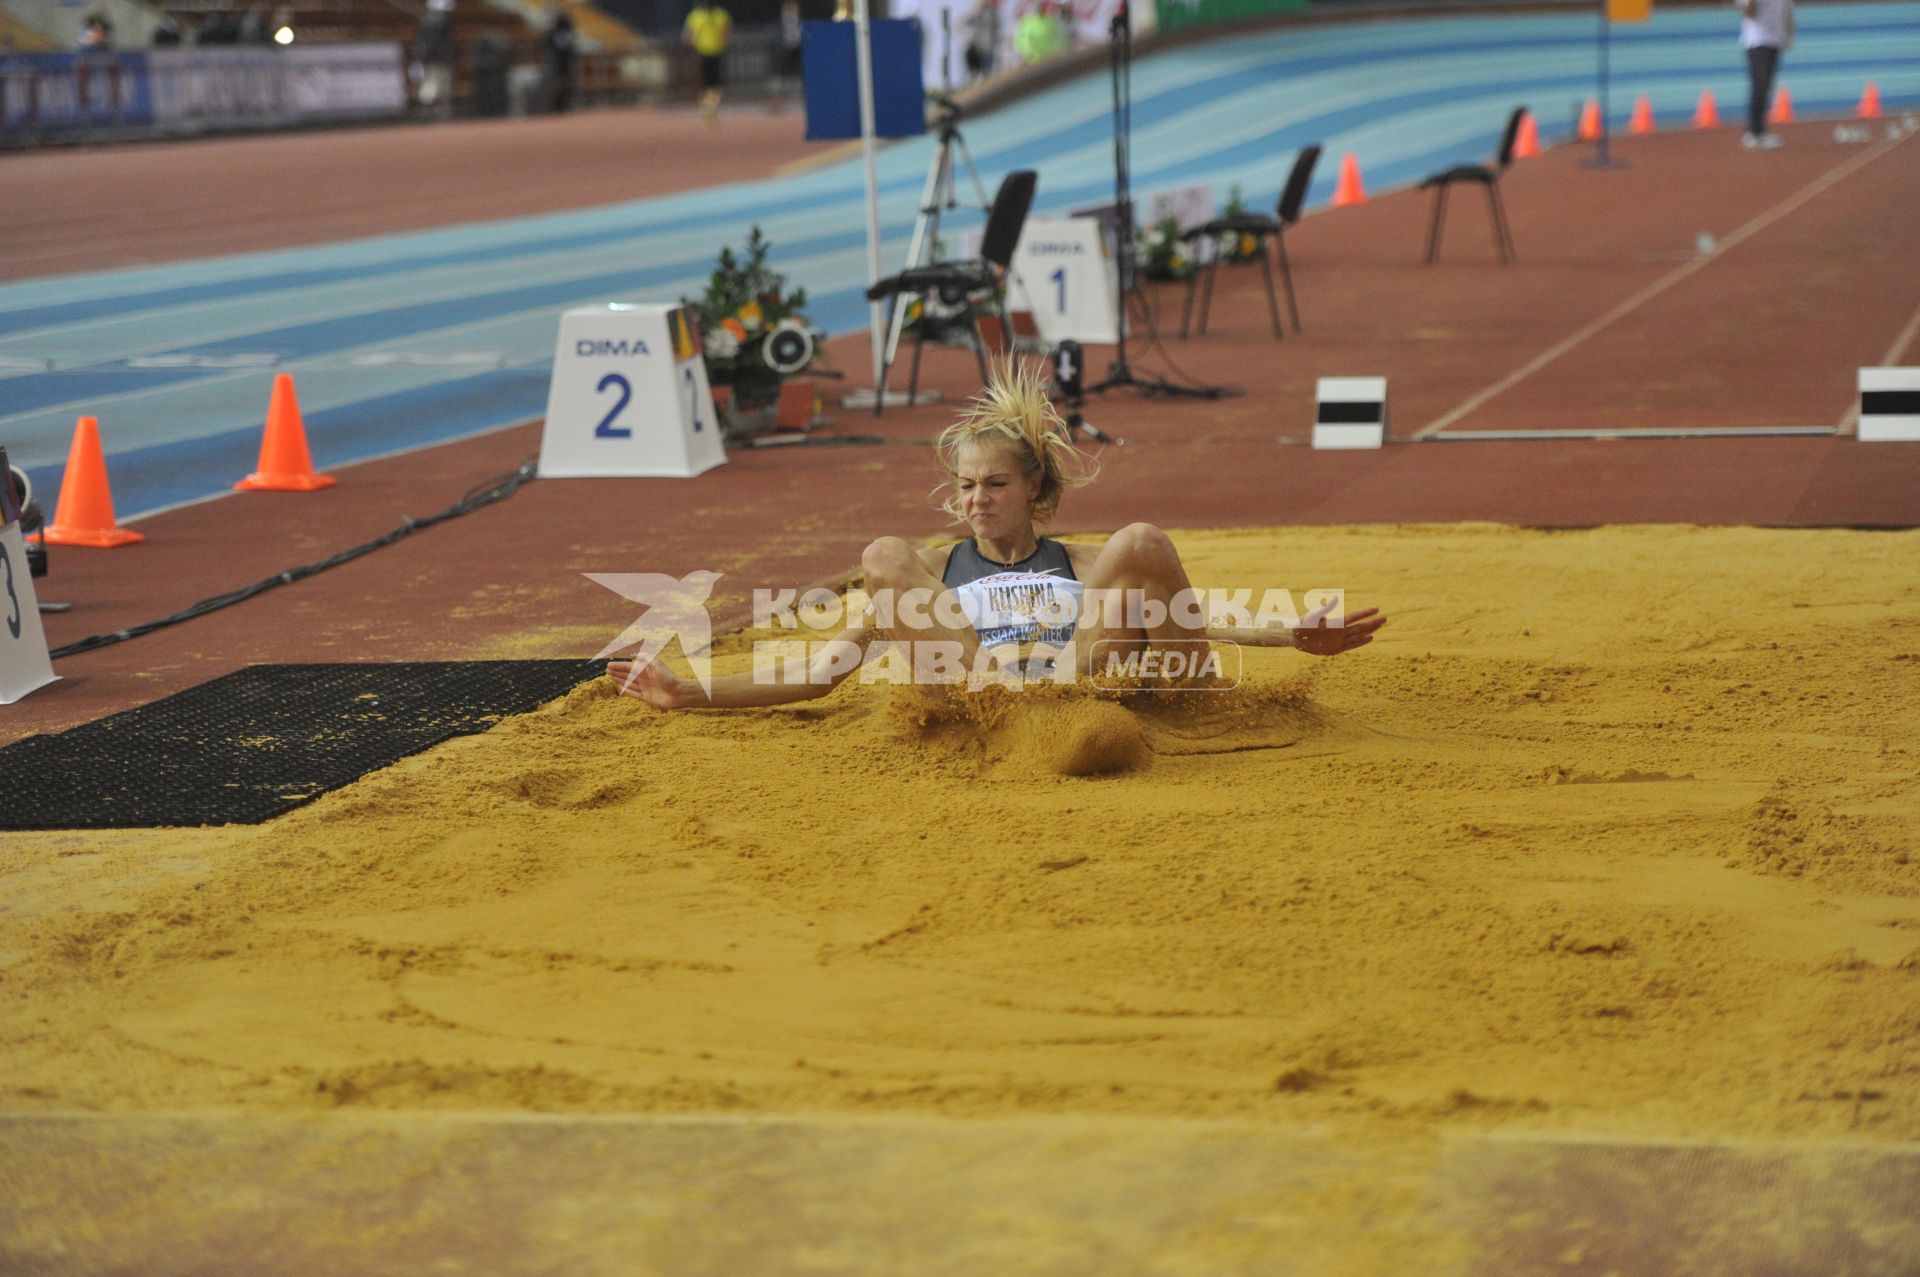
(936,196)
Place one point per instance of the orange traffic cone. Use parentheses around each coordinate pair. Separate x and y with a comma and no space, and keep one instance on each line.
(1642,121)
(1590,126)
(1707,114)
(1869,108)
(1782,107)
(1527,144)
(85,513)
(285,464)
(1350,190)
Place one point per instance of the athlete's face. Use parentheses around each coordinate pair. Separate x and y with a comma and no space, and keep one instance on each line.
(996,493)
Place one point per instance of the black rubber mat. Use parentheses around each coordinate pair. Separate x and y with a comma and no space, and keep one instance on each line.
(260,741)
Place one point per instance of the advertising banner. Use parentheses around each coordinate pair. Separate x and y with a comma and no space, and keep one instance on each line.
(326,80)
(1175,14)
(67,92)
(219,88)
(943,39)
(57,94)
(950,25)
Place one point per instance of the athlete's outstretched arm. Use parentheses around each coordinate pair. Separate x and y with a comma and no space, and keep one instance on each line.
(826,669)
(1312,635)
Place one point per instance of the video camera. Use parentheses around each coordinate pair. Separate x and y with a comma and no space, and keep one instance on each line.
(950,110)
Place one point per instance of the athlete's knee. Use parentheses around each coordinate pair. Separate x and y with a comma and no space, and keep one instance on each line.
(888,562)
(1143,543)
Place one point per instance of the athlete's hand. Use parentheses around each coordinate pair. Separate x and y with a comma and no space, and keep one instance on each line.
(1315,637)
(653,684)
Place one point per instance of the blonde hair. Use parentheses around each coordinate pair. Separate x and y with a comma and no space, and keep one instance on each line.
(1014,413)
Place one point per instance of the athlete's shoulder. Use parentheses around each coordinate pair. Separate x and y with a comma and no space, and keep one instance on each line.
(934,558)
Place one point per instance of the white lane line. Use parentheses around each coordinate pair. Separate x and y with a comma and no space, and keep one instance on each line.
(1636,432)
(1838,173)
(1850,423)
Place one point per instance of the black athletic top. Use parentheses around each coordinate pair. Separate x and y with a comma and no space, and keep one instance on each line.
(1036,600)
(965,563)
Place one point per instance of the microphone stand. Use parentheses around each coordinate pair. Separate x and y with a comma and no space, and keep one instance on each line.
(1126,245)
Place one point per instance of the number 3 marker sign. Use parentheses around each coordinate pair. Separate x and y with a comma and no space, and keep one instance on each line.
(629,396)
(23,644)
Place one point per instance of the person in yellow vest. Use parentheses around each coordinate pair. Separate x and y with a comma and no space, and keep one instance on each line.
(707,30)
(1040,33)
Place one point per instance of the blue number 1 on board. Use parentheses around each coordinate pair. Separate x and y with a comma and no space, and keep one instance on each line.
(1060,277)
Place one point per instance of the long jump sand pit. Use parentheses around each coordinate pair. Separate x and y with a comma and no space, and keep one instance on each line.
(1611,836)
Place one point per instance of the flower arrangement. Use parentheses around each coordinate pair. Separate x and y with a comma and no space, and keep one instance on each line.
(746,301)
(1161,253)
(1237,247)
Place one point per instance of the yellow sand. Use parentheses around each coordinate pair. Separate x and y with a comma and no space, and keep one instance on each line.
(1612,831)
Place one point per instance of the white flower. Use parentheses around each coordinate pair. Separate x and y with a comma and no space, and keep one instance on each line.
(722,344)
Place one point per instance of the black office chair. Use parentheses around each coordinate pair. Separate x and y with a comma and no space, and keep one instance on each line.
(957,282)
(1489,177)
(1261,227)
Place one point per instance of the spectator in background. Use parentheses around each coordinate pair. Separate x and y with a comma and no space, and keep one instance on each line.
(790,38)
(1766,31)
(218,28)
(167,33)
(96,36)
(253,27)
(1040,33)
(983,39)
(559,43)
(707,30)
(432,69)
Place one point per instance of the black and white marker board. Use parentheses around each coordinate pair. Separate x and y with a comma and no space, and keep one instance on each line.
(629,396)
(1350,412)
(1889,405)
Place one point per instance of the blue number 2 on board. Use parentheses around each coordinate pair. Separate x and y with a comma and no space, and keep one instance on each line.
(606,429)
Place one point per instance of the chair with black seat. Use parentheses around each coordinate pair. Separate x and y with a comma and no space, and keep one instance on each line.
(957,282)
(1262,228)
(1488,175)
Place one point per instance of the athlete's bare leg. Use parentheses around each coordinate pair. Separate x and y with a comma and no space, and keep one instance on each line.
(1138,595)
(914,608)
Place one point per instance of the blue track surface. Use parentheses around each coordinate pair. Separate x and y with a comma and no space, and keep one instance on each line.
(406,340)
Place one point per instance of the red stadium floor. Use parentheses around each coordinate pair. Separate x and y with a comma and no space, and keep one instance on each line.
(96,208)
(1757,335)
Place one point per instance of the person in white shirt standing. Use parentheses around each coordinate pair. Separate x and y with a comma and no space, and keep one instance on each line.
(1766,31)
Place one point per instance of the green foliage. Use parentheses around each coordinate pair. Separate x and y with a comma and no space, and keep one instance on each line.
(745,299)
(1235,248)
(1162,255)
